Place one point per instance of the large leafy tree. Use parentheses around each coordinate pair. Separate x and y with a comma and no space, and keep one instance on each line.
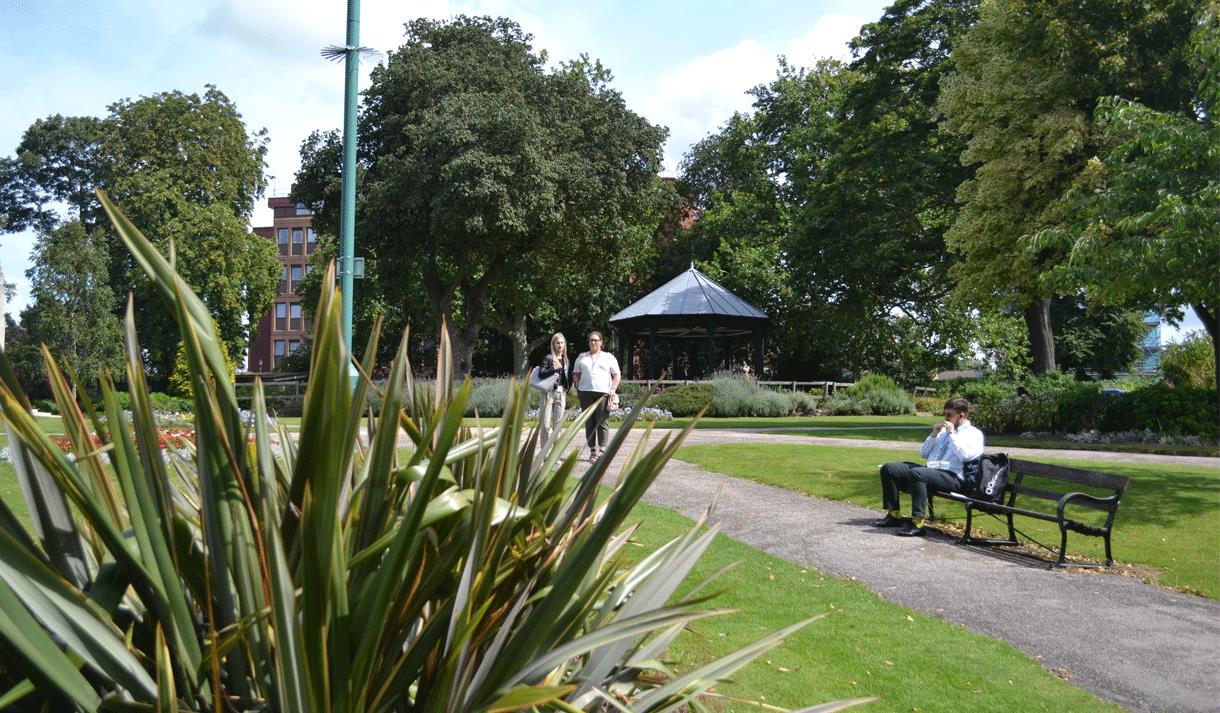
(186,168)
(844,182)
(874,196)
(1142,223)
(73,308)
(1028,77)
(481,169)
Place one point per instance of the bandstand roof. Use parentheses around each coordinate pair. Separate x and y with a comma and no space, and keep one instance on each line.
(687,305)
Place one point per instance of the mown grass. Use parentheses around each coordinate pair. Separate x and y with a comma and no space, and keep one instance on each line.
(864,646)
(1167,520)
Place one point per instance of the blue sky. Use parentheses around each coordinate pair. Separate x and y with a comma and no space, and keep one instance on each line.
(685,64)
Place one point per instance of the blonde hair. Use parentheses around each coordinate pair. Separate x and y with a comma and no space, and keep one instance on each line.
(559,335)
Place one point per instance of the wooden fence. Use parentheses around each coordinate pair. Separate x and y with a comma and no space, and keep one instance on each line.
(286,392)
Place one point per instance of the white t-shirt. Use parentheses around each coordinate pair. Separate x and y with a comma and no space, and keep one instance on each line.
(597,372)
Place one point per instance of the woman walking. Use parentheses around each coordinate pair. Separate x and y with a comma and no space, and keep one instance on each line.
(554,399)
(596,375)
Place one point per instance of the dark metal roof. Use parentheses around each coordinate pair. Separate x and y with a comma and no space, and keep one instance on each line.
(691,294)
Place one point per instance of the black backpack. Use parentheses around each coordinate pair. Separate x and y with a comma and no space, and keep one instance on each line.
(986,477)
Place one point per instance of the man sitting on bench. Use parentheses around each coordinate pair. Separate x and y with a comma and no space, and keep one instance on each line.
(952,442)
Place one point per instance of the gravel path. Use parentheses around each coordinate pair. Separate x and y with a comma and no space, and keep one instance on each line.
(1142,646)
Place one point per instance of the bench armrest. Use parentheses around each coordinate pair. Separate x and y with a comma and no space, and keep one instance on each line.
(1063,502)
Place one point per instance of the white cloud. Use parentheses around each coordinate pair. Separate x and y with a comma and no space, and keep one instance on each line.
(698,97)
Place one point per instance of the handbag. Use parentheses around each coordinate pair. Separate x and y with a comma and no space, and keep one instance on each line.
(543,385)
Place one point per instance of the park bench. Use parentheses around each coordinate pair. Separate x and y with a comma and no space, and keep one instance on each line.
(1018,495)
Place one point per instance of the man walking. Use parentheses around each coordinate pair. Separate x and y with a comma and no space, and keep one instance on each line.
(953,442)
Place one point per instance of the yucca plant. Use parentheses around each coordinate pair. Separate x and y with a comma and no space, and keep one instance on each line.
(333,571)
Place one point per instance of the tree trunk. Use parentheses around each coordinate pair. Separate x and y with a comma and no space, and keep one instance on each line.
(1211,322)
(520,343)
(1041,338)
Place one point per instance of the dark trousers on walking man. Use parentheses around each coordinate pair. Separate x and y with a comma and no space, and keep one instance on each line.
(916,479)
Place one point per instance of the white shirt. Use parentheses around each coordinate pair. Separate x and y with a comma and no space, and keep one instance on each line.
(597,371)
(948,451)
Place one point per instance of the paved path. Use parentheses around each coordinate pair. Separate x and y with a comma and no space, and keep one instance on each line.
(1142,646)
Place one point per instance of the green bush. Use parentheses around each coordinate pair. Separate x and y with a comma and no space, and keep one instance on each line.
(804,404)
(1053,402)
(684,400)
(1190,363)
(740,396)
(165,402)
(1162,408)
(488,396)
(840,406)
(878,395)
(929,404)
(45,405)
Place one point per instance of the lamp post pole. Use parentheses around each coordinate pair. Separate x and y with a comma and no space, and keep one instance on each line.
(347,227)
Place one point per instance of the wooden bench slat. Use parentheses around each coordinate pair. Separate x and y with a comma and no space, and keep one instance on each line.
(1054,496)
(1071,475)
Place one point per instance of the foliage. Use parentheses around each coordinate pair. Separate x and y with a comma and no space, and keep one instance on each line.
(875,395)
(929,404)
(491,181)
(684,400)
(480,582)
(488,397)
(1181,411)
(1053,402)
(1141,221)
(72,306)
(183,166)
(1028,76)
(1095,338)
(1190,362)
(737,395)
(803,404)
(180,380)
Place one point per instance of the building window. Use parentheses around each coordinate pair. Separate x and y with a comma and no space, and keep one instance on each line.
(308,268)
(297,273)
(311,241)
(281,316)
(279,348)
(298,241)
(283,279)
(302,209)
(282,237)
(296,316)
(293,346)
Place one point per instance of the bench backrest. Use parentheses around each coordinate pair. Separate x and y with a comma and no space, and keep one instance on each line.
(1018,469)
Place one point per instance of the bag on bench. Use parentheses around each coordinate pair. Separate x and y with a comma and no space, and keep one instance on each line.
(986,477)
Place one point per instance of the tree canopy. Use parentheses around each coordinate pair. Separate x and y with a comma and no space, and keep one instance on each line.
(185,169)
(1028,77)
(481,169)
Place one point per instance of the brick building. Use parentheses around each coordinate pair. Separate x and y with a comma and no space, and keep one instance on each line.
(282,330)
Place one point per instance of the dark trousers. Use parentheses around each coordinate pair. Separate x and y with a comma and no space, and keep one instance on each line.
(916,480)
(597,428)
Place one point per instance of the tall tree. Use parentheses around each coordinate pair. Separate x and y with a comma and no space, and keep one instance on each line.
(1142,221)
(72,307)
(475,155)
(1028,77)
(186,171)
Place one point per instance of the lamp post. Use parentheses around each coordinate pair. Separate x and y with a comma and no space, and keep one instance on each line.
(347,230)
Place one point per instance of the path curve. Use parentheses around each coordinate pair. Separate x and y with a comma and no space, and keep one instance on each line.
(1145,647)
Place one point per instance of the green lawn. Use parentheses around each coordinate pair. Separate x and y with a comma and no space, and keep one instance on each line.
(864,646)
(913,429)
(1167,521)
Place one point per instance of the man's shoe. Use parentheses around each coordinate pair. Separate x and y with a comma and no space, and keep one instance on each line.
(911,530)
(890,521)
